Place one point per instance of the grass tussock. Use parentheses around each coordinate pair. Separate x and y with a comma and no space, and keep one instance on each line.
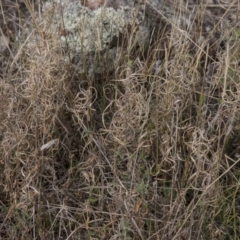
(149,151)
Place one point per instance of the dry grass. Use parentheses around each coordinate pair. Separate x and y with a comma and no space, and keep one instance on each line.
(144,153)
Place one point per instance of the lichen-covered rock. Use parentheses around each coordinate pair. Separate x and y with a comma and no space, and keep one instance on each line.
(86,35)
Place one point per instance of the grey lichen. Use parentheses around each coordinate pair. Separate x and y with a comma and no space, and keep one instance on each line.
(85,34)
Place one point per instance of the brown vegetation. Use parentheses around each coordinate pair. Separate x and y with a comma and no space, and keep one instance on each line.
(150,151)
